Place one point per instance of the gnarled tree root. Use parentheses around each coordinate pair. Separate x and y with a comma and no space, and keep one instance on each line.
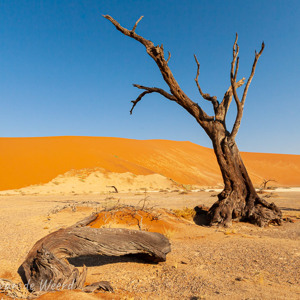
(264,213)
(46,268)
(254,210)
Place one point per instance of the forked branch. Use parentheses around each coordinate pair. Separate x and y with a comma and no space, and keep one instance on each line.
(208,97)
(130,33)
(138,99)
(257,56)
(234,69)
(233,74)
(136,23)
(169,56)
(228,96)
(149,90)
(177,94)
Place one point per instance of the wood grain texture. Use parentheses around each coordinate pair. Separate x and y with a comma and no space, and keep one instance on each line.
(47,261)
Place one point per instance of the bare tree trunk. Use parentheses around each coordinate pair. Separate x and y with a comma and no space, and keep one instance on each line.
(238,200)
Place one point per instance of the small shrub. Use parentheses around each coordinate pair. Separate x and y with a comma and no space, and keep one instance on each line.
(187,187)
(183,193)
(186,213)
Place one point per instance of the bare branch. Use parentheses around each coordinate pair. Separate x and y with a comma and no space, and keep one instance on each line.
(240,104)
(229,92)
(257,55)
(136,23)
(207,97)
(156,90)
(228,97)
(169,56)
(130,33)
(237,122)
(234,69)
(233,75)
(235,53)
(139,98)
(149,90)
(157,54)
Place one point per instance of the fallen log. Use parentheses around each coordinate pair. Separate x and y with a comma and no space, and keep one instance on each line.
(47,269)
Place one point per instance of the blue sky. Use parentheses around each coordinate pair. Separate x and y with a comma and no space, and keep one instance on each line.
(65,70)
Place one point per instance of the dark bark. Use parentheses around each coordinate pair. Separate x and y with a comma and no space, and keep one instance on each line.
(46,268)
(239,199)
(115,189)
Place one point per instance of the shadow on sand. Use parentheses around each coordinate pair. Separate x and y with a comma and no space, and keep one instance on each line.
(201,218)
(101,260)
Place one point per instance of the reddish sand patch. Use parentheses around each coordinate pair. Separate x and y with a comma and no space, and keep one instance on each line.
(27,161)
(160,221)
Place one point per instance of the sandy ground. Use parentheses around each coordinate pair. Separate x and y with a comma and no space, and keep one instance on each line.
(243,262)
(53,182)
(97,181)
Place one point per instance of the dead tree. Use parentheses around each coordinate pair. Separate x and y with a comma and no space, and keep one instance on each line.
(46,268)
(115,189)
(263,186)
(239,199)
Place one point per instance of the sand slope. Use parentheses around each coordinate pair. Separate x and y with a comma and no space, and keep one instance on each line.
(27,161)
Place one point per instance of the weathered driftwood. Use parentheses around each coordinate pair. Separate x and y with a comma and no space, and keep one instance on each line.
(46,268)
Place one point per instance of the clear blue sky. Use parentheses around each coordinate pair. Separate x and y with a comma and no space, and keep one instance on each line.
(65,70)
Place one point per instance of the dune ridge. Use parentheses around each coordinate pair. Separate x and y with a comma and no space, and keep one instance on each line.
(29,161)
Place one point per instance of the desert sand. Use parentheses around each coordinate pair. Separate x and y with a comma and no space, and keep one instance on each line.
(30,161)
(51,183)
(243,262)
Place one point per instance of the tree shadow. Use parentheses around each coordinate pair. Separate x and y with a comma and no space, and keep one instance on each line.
(101,260)
(201,218)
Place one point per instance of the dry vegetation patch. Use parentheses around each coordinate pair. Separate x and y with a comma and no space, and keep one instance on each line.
(155,220)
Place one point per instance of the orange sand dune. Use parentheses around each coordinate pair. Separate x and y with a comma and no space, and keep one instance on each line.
(27,161)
